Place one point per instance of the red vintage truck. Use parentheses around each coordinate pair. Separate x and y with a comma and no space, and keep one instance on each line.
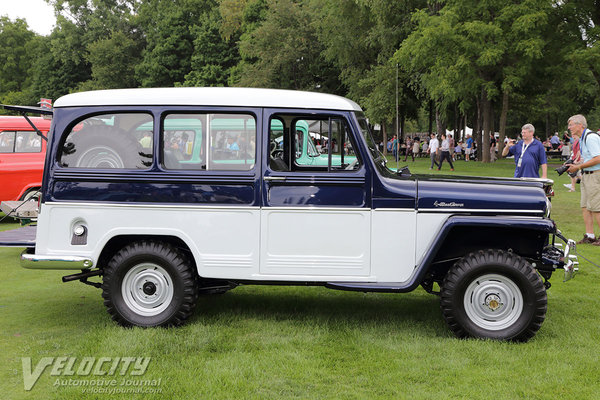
(22,154)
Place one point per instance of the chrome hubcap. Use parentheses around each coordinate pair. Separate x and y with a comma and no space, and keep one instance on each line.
(493,302)
(147,289)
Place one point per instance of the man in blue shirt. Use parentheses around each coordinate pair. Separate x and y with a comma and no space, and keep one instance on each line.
(529,154)
(469,148)
(555,141)
(590,178)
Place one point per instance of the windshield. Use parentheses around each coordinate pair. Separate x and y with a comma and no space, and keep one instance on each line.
(378,157)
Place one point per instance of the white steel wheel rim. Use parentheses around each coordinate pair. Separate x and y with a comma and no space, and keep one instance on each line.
(100,157)
(147,289)
(493,302)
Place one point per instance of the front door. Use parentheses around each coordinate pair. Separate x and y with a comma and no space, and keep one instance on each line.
(316,217)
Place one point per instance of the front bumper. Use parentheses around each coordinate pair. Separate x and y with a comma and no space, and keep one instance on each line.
(36,261)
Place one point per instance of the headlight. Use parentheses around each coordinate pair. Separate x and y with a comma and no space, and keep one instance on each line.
(548,207)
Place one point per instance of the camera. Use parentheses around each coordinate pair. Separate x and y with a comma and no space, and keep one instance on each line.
(563,168)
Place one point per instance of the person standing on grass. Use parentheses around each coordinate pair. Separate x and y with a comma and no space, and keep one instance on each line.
(416,147)
(395,147)
(434,147)
(445,153)
(492,147)
(589,143)
(575,158)
(468,147)
(409,149)
(529,154)
(555,141)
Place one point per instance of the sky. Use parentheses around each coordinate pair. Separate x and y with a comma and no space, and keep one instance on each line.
(38,14)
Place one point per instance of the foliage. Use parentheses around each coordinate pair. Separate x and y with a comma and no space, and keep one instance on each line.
(497,64)
(284,51)
(213,56)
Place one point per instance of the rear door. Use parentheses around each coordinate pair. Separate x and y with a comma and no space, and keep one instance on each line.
(315,219)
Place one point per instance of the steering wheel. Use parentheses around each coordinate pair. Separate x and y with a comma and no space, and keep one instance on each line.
(277,153)
(351,166)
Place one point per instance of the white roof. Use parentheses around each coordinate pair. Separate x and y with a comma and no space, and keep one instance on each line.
(212,96)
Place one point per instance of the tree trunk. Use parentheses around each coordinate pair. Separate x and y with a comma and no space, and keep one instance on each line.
(402,120)
(440,124)
(456,128)
(430,117)
(503,116)
(486,106)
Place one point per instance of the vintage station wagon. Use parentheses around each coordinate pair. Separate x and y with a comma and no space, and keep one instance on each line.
(169,193)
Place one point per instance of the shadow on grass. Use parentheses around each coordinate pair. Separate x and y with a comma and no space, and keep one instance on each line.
(316,307)
(320,306)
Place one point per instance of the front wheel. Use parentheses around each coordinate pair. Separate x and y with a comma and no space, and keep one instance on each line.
(150,283)
(493,294)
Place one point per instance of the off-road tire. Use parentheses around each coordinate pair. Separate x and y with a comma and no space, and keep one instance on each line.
(509,281)
(163,268)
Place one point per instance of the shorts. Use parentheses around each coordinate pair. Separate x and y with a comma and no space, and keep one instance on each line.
(467,151)
(590,191)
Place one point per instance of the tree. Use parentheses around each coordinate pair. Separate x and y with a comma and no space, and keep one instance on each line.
(16,57)
(169,31)
(214,56)
(360,37)
(477,49)
(284,51)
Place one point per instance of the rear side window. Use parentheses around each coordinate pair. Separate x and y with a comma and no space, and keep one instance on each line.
(20,142)
(109,141)
(209,141)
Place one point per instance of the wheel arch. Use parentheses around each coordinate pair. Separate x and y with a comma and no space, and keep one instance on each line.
(461,235)
(119,241)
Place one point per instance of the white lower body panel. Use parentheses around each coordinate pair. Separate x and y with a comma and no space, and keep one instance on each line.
(249,243)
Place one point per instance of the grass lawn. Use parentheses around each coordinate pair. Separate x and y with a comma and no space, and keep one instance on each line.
(308,342)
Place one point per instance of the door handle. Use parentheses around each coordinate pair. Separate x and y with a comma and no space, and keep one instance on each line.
(274,178)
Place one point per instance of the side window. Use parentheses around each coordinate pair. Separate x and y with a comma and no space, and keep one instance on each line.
(7,142)
(316,144)
(110,141)
(209,141)
(28,142)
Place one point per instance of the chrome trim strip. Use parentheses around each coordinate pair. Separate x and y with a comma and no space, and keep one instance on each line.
(37,261)
(204,207)
(478,210)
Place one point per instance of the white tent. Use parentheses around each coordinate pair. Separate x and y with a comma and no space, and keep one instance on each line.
(463,133)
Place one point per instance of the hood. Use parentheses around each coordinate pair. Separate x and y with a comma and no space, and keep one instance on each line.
(482,194)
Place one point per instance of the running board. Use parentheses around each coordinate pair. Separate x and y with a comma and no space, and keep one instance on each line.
(384,287)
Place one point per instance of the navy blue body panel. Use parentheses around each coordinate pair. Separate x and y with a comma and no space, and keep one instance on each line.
(156,184)
(317,188)
(477,195)
(394,192)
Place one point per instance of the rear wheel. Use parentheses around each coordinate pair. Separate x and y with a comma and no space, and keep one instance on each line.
(493,294)
(31,194)
(150,283)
